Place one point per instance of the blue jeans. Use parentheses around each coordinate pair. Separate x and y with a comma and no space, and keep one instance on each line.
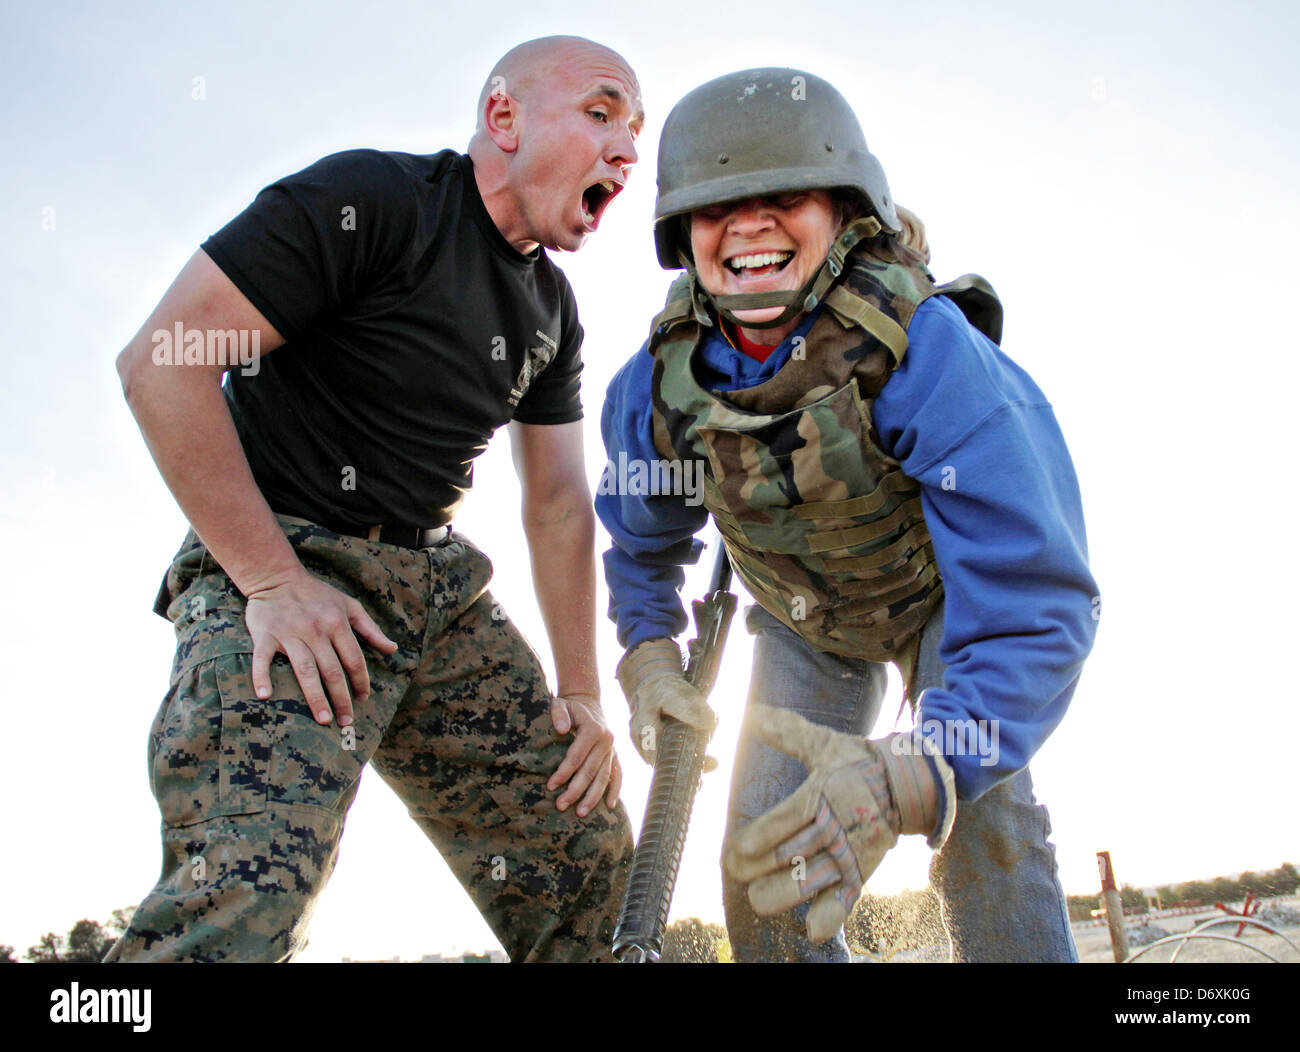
(995,878)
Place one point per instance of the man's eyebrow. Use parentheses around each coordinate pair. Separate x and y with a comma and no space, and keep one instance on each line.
(615,94)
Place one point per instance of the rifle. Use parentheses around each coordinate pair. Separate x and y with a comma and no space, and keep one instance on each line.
(679,763)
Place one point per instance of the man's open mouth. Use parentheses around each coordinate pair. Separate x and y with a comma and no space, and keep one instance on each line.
(758,264)
(596,198)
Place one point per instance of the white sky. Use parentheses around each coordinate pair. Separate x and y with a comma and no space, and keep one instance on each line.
(1126,179)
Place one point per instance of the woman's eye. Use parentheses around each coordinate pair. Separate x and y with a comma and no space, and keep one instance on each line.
(600,115)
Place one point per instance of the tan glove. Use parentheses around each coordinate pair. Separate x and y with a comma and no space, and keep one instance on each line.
(826,839)
(655,683)
(913,233)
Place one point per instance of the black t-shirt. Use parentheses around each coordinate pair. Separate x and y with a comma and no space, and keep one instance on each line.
(413,330)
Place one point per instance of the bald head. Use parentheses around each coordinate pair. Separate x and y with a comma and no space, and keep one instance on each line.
(521,70)
(555,138)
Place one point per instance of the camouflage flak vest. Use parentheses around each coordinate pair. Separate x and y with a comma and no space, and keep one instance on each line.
(822,526)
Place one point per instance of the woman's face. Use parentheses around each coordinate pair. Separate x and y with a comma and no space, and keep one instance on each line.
(763,244)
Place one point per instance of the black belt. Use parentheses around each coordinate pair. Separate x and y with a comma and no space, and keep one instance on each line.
(405,536)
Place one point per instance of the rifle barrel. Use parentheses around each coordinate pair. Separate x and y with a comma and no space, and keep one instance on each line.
(679,763)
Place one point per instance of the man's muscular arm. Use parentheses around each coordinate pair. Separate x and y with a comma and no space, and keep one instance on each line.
(183,416)
(559,524)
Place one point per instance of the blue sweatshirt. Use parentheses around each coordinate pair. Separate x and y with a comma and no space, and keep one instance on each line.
(1001,503)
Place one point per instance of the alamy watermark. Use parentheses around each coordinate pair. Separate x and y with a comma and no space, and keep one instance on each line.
(225,347)
(952,738)
(75,1005)
(634,477)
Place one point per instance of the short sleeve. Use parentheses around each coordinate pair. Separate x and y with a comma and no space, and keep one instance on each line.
(313,242)
(555,397)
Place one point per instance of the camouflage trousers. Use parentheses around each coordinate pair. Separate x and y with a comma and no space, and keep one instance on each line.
(254,793)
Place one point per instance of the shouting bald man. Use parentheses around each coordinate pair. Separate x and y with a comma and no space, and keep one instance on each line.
(326,615)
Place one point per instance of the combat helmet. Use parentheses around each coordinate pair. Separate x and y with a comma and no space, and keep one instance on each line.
(758,132)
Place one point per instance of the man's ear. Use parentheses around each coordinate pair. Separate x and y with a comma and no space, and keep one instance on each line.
(501,119)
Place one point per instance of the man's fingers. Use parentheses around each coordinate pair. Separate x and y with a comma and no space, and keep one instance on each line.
(597,745)
(364,626)
(580,779)
(264,651)
(561,718)
(753,850)
(573,759)
(308,676)
(354,665)
(335,681)
(599,780)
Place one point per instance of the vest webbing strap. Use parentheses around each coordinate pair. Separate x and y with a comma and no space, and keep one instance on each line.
(758,570)
(876,608)
(834,540)
(880,528)
(915,538)
(725,520)
(880,325)
(897,581)
(890,577)
(854,506)
(895,577)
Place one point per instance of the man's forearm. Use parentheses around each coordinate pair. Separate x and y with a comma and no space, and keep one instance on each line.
(563,551)
(190,433)
(183,416)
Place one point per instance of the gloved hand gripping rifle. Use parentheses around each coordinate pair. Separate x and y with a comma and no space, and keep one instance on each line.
(679,763)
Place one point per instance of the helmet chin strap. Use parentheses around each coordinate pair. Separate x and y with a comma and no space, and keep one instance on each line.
(802,300)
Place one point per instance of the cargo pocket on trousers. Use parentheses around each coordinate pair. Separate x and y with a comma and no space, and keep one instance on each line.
(211,748)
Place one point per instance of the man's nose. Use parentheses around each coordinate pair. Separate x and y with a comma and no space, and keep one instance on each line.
(623,151)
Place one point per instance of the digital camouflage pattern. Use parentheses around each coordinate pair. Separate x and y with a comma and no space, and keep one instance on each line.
(254,793)
(822,526)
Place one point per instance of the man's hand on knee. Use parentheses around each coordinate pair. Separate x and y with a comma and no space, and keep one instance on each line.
(316,627)
(591,765)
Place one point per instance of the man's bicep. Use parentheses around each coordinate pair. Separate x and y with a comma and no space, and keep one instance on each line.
(201,299)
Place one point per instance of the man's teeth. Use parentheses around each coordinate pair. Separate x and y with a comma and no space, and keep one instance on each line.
(588,211)
(758,259)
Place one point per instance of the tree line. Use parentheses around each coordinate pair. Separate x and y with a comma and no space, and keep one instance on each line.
(85,943)
(1282,881)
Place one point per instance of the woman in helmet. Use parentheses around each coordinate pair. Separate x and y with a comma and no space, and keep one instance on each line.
(889,487)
